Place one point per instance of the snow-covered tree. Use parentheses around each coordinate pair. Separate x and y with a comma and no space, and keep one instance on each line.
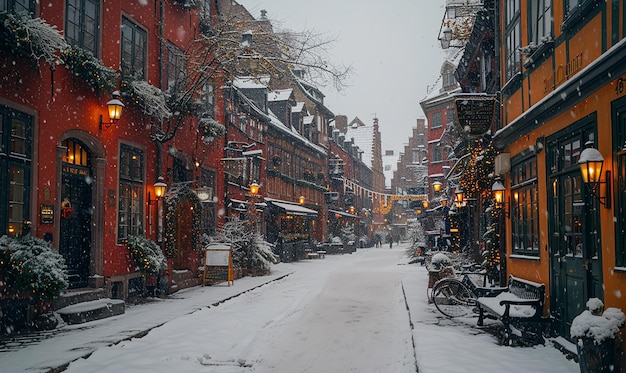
(417,235)
(250,251)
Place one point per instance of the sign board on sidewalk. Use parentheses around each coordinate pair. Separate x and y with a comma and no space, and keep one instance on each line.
(218,264)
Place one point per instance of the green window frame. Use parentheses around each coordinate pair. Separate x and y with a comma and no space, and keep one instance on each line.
(134,46)
(525,207)
(131,188)
(15,161)
(82,22)
(18,6)
(512,38)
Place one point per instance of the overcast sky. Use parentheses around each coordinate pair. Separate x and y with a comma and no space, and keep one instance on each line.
(392,46)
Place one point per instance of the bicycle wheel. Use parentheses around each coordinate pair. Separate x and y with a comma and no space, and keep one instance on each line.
(452,298)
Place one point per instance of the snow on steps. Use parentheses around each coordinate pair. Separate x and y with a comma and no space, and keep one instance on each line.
(92,310)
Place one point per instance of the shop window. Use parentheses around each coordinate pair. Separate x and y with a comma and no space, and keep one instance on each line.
(130,209)
(525,207)
(15,161)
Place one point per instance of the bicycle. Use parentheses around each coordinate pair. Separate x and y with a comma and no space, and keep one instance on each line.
(455,297)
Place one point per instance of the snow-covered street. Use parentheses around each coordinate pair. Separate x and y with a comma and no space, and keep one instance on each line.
(345,313)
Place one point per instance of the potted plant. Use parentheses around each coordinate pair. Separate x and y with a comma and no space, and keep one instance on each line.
(596,330)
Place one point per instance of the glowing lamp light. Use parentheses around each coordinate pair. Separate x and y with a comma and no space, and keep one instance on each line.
(115,107)
(254,188)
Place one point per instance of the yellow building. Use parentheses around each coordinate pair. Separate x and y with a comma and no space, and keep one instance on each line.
(563,69)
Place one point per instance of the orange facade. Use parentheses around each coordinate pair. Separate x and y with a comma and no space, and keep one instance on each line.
(567,96)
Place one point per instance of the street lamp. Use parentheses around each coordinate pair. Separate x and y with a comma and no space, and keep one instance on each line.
(159,190)
(437,186)
(301,200)
(115,107)
(591,163)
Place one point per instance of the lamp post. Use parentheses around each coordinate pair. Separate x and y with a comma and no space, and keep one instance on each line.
(252,196)
(159,192)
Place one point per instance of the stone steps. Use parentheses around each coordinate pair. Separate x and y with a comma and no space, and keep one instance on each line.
(83,305)
(92,310)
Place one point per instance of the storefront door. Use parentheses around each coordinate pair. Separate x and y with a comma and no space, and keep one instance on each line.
(76,213)
(574,235)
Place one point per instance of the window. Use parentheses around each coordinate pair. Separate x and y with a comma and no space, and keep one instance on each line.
(134,45)
(130,214)
(208,95)
(82,21)
(176,66)
(512,64)
(525,207)
(15,161)
(540,21)
(436,120)
(209,222)
(18,6)
(437,154)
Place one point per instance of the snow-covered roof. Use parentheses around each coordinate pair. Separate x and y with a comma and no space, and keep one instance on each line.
(390,164)
(363,137)
(249,82)
(298,107)
(279,95)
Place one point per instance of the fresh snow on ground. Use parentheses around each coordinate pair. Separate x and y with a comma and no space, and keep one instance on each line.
(344,313)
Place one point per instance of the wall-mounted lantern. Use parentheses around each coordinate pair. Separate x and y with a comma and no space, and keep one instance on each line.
(115,107)
(591,163)
(499,192)
(159,190)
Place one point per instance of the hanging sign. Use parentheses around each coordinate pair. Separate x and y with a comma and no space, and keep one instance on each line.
(475,113)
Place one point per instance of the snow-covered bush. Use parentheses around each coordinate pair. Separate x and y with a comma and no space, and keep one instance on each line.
(146,255)
(210,127)
(151,100)
(29,265)
(87,67)
(595,324)
(31,37)
(250,251)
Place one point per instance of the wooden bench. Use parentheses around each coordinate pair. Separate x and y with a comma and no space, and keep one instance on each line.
(321,254)
(520,308)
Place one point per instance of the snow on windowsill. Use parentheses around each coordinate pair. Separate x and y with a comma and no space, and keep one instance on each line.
(526,257)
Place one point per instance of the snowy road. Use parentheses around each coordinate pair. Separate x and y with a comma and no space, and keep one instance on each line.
(344,313)
(348,317)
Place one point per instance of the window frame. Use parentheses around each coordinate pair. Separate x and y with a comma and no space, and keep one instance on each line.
(81,29)
(436,120)
(512,39)
(176,67)
(136,31)
(524,207)
(18,160)
(11,5)
(131,191)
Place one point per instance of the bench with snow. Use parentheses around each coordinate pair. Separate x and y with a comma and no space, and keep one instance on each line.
(520,309)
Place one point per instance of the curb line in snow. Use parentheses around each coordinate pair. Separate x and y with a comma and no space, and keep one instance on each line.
(143,333)
(408,311)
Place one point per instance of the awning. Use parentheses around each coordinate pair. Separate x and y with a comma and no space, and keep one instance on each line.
(242,206)
(343,214)
(292,209)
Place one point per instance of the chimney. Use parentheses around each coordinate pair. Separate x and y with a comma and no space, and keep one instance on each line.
(341,123)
